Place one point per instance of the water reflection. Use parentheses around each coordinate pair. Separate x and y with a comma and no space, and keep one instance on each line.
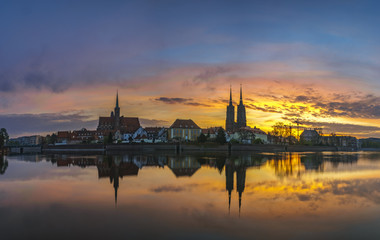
(193,193)
(3,164)
(284,165)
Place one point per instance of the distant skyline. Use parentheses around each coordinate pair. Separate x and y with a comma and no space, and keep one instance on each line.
(61,63)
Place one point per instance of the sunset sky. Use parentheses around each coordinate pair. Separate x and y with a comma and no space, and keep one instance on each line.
(61,63)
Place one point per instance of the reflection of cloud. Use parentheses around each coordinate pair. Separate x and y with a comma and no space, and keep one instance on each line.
(366,188)
(303,197)
(174,188)
(168,188)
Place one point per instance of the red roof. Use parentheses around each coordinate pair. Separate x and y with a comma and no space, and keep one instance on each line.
(131,124)
(153,129)
(211,130)
(128,124)
(63,134)
(182,123)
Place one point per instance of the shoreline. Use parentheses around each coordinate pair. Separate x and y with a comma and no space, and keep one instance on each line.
(177,148)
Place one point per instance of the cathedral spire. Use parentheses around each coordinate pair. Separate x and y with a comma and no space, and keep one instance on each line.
(241,95)
(117,98)
(230,95)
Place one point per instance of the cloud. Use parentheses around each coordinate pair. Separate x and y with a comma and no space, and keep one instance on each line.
(153,122)
(20,124)
(266,108)
(210,73)
(329,127)
(172,100)
(185,101)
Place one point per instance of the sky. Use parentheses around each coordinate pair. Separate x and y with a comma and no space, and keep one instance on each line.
(61,63)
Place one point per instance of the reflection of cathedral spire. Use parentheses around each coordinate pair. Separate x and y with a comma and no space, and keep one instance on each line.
(229,181)
(240,182)
(115,168)
(240,170)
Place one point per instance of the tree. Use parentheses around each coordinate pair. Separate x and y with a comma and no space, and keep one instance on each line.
(246,135)
(283,133)
(52,139)
(202,138)
(221,136)
(4,137)
(258,141)
(110,138)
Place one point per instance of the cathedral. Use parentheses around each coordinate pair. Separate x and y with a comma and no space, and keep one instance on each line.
(231,125)
(115,122)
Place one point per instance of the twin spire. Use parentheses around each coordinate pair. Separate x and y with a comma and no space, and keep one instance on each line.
(241,95)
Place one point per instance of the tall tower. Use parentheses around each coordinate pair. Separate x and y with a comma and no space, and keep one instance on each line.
(117,111)
(241,118)
(230,116)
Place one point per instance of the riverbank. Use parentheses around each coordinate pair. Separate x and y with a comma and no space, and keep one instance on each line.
(175,147)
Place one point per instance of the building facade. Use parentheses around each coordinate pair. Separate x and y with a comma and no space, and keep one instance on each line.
(185,130)
(115,122)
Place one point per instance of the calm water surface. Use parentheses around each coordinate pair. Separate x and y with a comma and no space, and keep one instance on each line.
(191,196)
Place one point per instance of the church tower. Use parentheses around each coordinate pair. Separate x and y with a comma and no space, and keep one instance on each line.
(241,118)
(230,118)
(117,112)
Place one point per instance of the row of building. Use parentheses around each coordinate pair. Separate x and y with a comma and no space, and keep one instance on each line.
(314,137)
(128,129)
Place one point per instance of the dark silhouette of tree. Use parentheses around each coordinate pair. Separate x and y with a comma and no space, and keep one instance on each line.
(52,139)
(221,136)
(202,138)
(110,138)
(4,137)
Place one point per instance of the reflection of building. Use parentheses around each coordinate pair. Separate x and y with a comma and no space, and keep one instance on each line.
(240,168)
(114,168)
(76,161)
(186,130)
(3,164)
(286,164)
(184,167)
